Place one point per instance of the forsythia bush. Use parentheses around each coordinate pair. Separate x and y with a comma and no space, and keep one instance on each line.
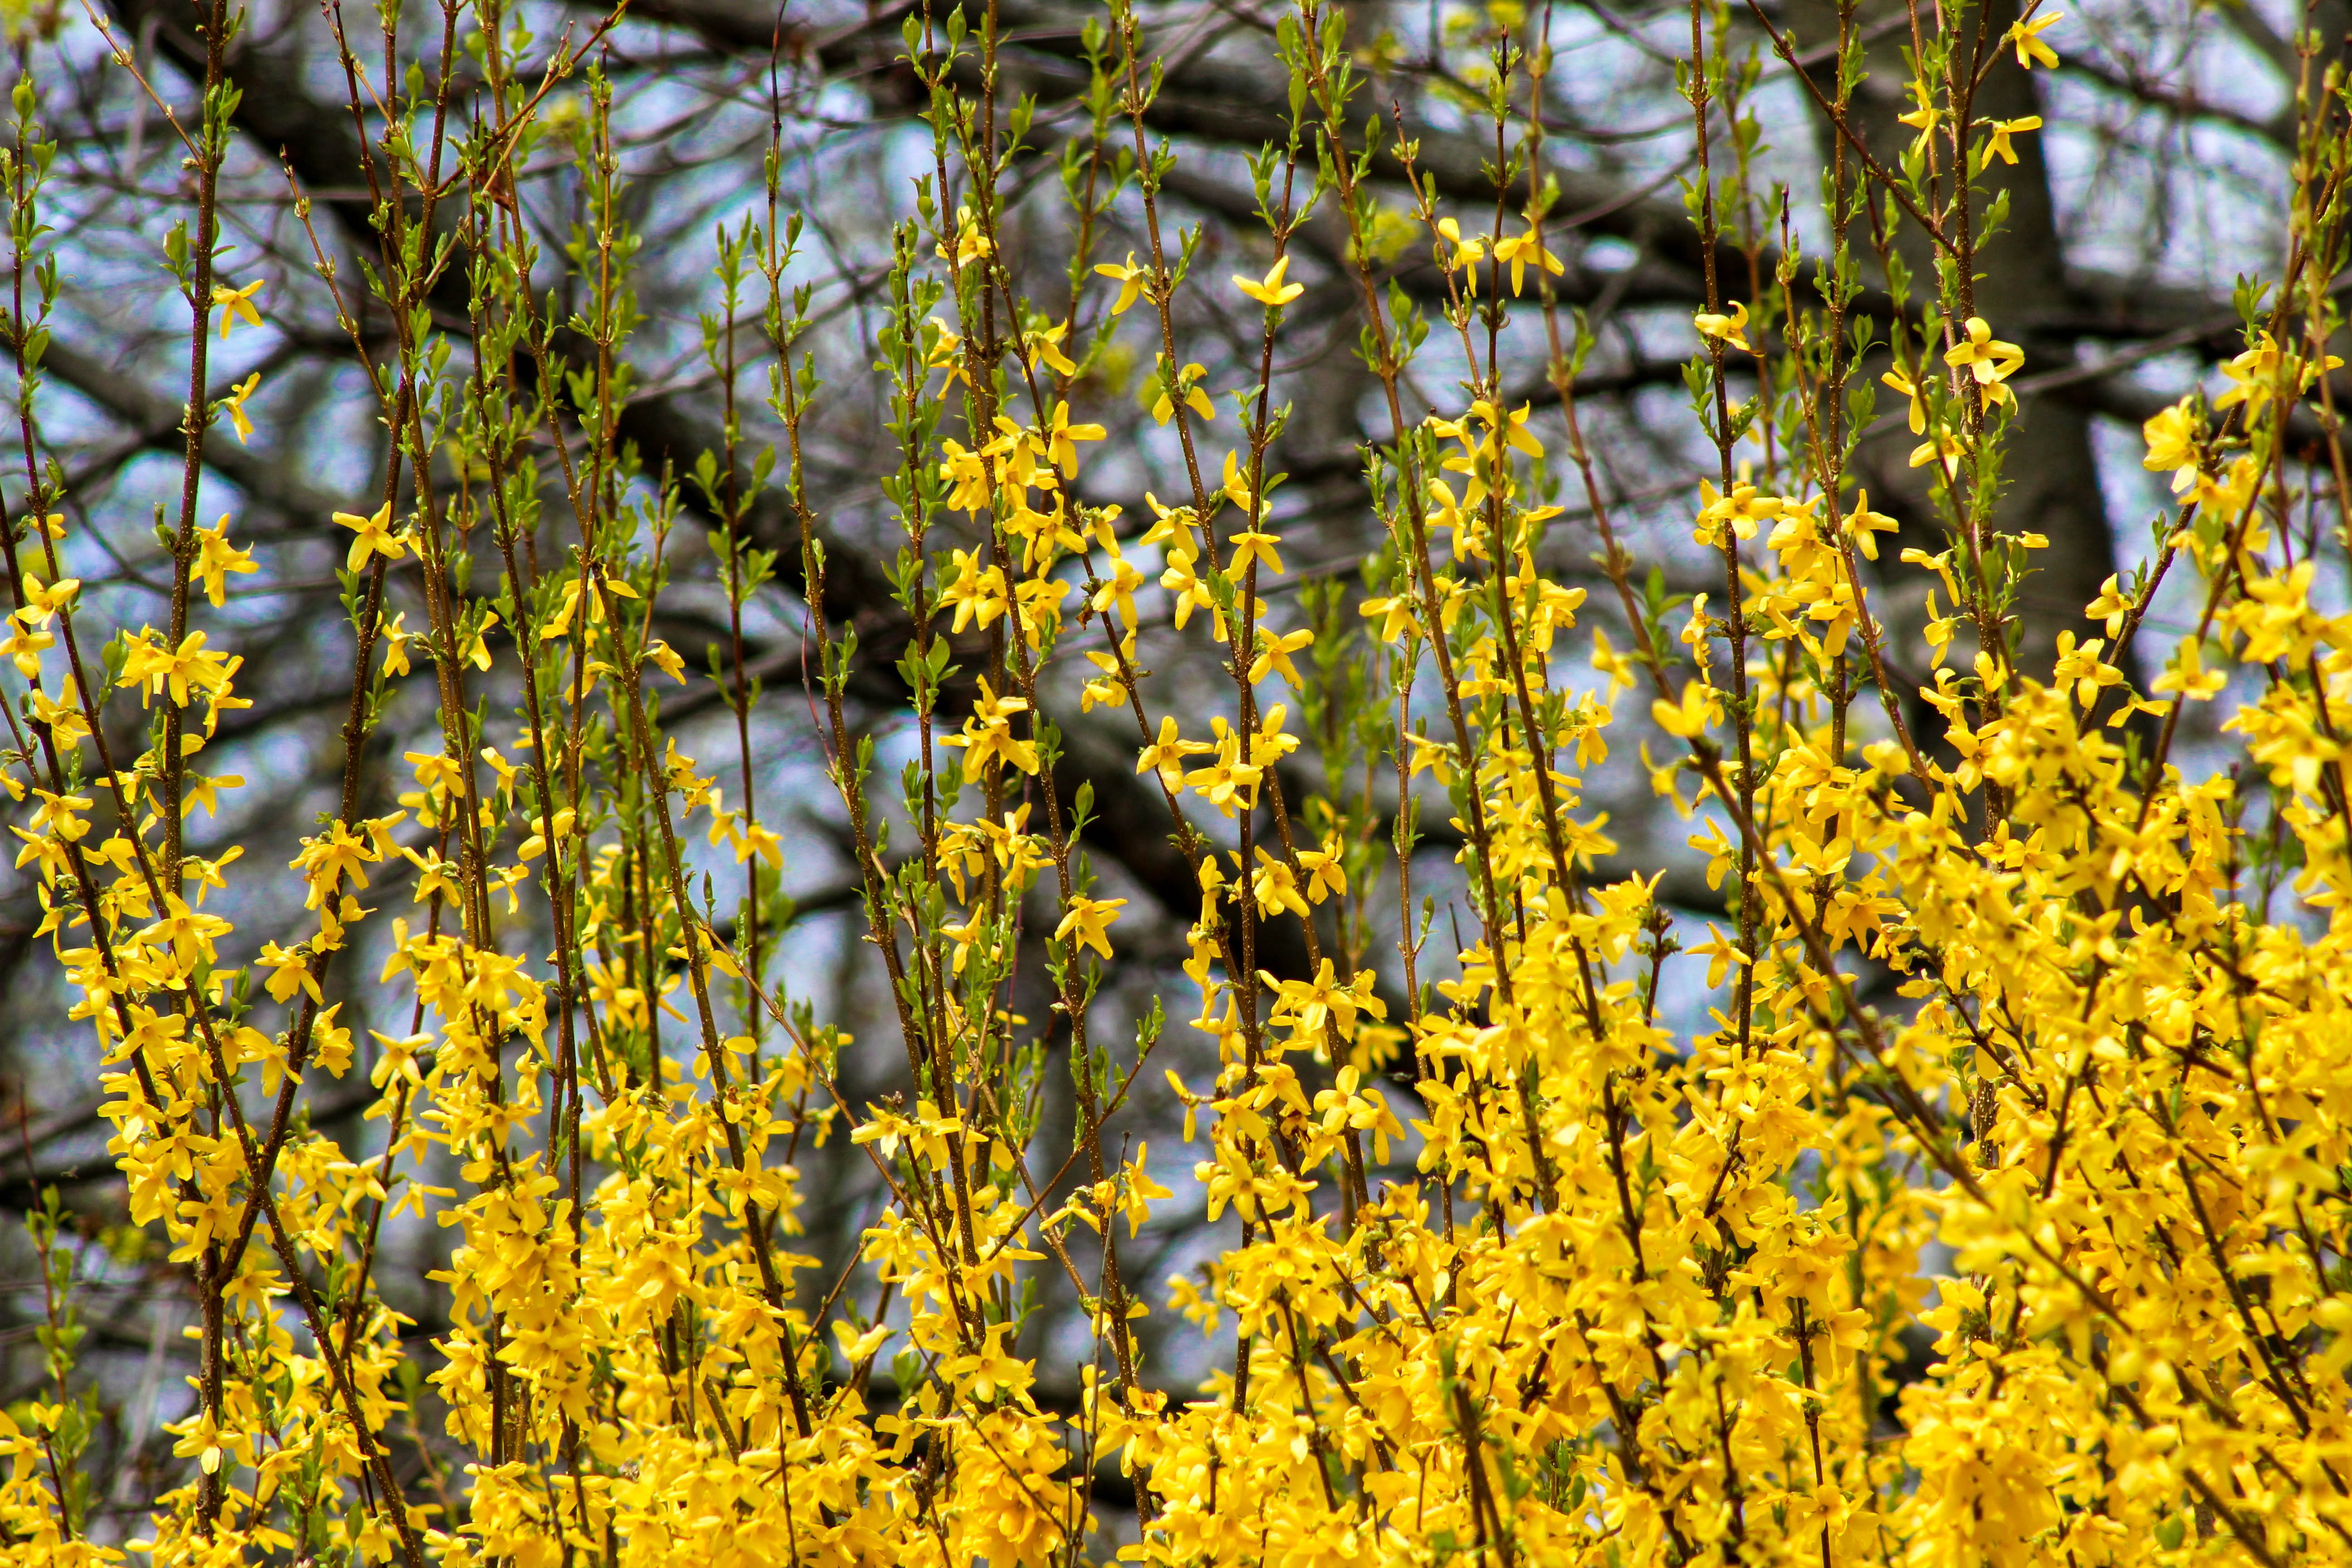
(2025,1033)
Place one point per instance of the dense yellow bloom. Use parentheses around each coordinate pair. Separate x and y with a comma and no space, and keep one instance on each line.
(1969,1189)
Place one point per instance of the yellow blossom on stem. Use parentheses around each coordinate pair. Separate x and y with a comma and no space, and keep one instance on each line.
(1516,250)
(1089,921)
(1188,391)
(1988,360)
(1131,280)
(1251,547)
(1062,438)
(988,739)
(43,602)
(1462,254)
(374,537)
(1998,133)
(1730,327)
(2025,35)
(235,305)
(217,559)
(2172,434)
(235,402)
(1271,291)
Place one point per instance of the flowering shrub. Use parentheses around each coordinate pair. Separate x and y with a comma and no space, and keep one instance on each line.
(2027,1034)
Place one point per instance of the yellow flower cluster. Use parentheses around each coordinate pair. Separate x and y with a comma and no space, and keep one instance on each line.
(1997,1212)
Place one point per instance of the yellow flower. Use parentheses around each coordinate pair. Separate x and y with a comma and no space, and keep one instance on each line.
(1275,888)
(1910,389)
(658,653)
(63,720)
(1188,392)
(1166,755)
(1689,716)
(1720,954)
(1062,439)
(2026,35)
(1394,612)
(1743,510)
(1944,450)
(289,971)
(1118,592)
(1272,292)
(235,305)
(1730,328)
(1997,142)
(396,644)
(235,402)
(375,537)
(988,740)
(1922,119)
(2172,436)
(947,355)
(1274,654)
(1252,547)
(970,244)
(1521,249)
(1137,1191)
(1236,486)
(2262,373)
(1325,869)
(1863,525)
(1191,589)
(2187,675)
(1463,254)
(1167,521)
(1090,921)
(1986,359)
(150,664)
(216,557)
(436,878)
(24,647)
(2111,606)
(1131,280)
(1045,347)
(41,603)
(1227,780)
